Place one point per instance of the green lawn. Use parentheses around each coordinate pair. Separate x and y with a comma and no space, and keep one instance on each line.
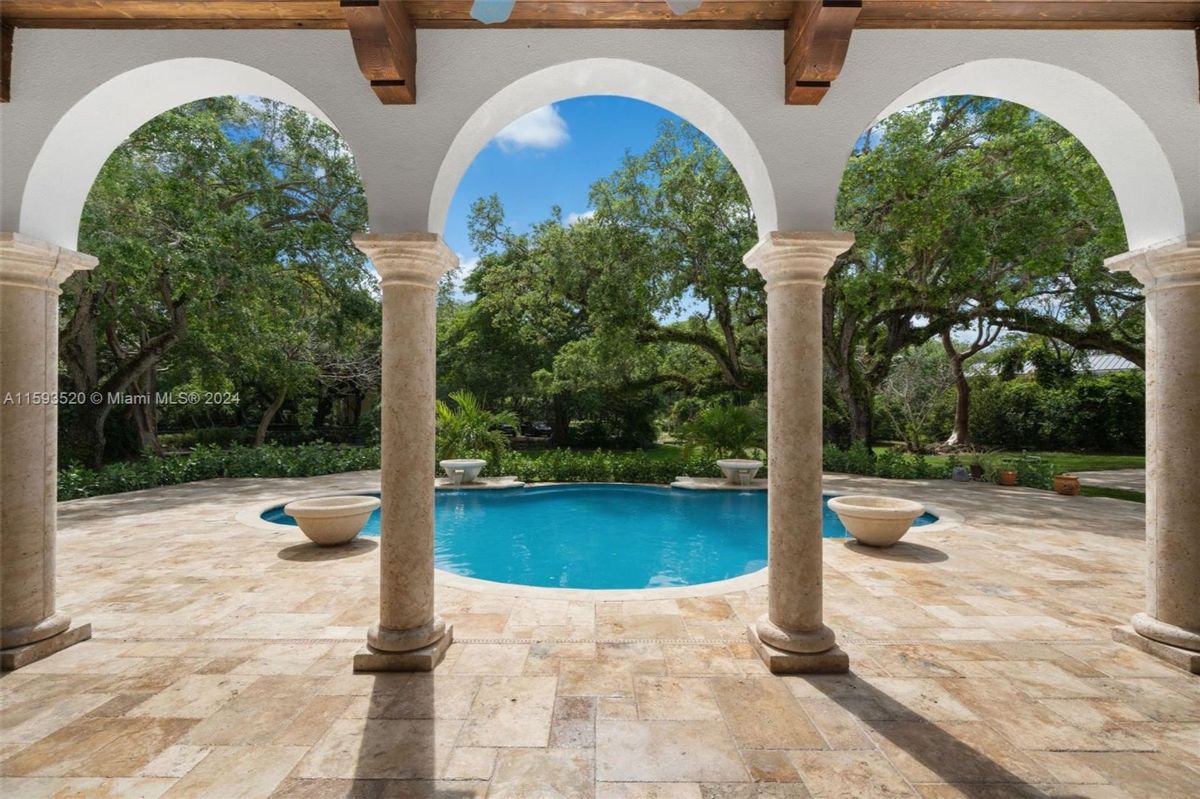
(1114,493)
(1068,461)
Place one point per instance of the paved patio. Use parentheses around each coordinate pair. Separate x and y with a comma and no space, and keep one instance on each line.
(1125,479)
(981,657)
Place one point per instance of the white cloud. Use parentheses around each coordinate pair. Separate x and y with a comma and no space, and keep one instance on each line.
(574,217)
(465,268)
(542,129)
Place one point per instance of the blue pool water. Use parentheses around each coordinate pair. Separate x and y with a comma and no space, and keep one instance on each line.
(600,535)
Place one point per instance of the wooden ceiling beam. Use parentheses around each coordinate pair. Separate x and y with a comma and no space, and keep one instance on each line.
(815,46)
(385,44)
(6,47)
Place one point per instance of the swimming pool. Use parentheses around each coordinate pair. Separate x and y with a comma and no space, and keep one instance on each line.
(600,535)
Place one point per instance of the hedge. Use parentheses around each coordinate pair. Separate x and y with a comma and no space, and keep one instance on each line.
(309,460)
(207,462)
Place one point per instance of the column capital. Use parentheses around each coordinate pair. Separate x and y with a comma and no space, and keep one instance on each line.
(788,257)
(1170,264)
(35,264)
(411,259)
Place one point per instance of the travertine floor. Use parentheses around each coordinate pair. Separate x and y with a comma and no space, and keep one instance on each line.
(220,667)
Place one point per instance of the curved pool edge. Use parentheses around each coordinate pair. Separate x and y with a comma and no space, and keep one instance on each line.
(251,516)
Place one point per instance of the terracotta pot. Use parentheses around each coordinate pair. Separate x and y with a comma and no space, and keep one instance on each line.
(1066,484)
(1007,477)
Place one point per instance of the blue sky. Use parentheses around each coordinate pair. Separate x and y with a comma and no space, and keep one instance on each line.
(551,157)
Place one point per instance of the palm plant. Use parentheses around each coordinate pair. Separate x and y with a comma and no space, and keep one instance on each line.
(726,431)
(469,430)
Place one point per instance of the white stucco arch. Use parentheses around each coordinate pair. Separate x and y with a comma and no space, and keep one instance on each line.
(1117,137)
(82,140)
(606,76)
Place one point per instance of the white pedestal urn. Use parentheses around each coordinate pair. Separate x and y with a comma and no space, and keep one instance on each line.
(462,470)
(739,471)
(329,521)
(876,521)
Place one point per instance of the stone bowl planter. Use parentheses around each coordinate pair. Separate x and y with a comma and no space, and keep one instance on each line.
(329,521)
(739,471)
(876,521)
(462,470)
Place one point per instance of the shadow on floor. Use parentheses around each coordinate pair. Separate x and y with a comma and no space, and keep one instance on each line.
(310,553)
(903,552)
(926,749)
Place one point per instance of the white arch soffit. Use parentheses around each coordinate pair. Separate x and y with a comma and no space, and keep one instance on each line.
(1119,140)
(613,77)
(85,136)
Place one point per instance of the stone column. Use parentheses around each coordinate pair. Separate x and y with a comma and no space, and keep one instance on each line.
(31,272)
(1170,626)
(409,636)
(792,637)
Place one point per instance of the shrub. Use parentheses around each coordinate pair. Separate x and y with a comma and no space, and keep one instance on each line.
(573,466)
(726,431)
(207,462)
(889,463)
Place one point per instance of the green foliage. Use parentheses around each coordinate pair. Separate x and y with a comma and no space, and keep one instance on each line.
(1032,471)
(206,463)
(968,209)
(889,463)
(1104,413)
(727,431)
(468,430)
(573,466)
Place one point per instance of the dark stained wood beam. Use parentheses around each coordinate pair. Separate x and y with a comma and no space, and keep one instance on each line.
(385,44)
(735,14)
(815,46)
(6,45)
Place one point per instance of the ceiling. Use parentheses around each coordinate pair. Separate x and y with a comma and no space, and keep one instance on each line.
(756,14)
(383,32)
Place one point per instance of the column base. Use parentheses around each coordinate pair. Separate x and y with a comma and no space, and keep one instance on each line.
(424,659)
(19,656)
(1184,659)
(779,661)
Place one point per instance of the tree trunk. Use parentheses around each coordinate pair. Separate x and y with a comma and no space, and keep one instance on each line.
(961,436)
(145,416)
(560,425)
(260,435)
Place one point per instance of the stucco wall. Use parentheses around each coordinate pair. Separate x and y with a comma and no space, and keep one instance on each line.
(1143,76)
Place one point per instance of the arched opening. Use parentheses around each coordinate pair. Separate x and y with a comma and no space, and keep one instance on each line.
(1116,136)
(229,306)
(975,308)
(606,76)
(85,136)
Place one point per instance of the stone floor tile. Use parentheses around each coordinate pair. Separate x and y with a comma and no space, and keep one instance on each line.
(381,749)
(174,761)
(84,787)
(510,711)
(956,751)
(538,773)
(679,698)
(850,775)
(470,763)
(491,659)
(763,714)
(197,696)
(666,751)
(573,724)
(776,790)
(1146,775)
(293,788)
(769,765)
(647,790)
(237,772)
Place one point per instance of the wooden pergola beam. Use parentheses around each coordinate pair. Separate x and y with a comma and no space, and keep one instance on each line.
(385,44)
(815,46)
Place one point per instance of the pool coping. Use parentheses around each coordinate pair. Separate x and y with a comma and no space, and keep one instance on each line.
(251,516)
